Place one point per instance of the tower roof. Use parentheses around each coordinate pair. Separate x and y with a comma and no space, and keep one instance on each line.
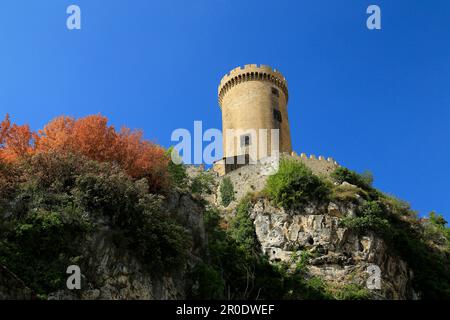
(251,72)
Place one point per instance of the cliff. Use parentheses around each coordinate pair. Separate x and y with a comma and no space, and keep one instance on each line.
(314,230)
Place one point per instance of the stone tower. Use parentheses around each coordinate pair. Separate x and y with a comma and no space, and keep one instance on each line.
(252,98)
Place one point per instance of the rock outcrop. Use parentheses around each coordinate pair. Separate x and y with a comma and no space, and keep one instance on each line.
(338,255)
(113,273)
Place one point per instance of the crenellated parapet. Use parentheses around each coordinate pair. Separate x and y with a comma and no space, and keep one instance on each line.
(320,164)
(251,72)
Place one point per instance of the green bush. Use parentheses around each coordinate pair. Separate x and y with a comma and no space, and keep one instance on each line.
(244,275)
(154,237)
(372,216)
(242,229)
(363,181)
(301,261)
(410,240)
(352,292)
(294,186)
(41,244)
(177,171)
(202,183)
(57,200)
(226,191)
(208,283)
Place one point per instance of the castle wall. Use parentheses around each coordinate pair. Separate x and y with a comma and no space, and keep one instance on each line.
(252,178)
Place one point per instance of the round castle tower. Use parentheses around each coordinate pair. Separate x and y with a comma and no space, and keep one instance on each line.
(253,98)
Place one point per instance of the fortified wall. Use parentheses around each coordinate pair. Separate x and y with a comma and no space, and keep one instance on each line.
(252,178)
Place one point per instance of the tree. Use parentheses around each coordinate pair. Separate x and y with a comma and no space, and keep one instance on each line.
(15,140)
(92,137)
(226,191)
(4,127)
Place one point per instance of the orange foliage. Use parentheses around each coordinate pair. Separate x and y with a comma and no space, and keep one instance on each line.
(15,141)
(91,137)
(141,158)
(4,128)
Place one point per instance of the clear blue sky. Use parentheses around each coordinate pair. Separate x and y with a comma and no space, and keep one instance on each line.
(377,100)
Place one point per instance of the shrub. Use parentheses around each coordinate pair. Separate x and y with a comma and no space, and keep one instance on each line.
(402,231)
(294,186)
(208,283)
(436,230)
(244,275)
(40,245)
(176,168)
(301,261)
(371,217)
(363,181)
(347,193)
(352,292)
(226,191)
(55,202)
(242,229)
(154,237)
(202,183)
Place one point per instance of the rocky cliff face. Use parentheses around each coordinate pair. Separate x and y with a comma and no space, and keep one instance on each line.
(113,273)
(337,255)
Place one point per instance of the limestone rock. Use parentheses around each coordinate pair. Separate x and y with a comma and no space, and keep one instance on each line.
(339,255)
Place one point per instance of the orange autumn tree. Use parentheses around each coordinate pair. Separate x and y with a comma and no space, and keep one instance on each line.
(15,141)
(90,136)
(93,138)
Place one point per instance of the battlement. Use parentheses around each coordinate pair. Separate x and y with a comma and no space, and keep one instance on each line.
(319,165)
(251,72)
(313,157)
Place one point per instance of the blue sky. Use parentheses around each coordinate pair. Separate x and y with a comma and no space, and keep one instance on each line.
(376,100)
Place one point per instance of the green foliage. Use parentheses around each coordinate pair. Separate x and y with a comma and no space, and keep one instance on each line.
(352,292)
(411,240)
(301,261)
(242,229)
(41,245)
(210,284)
(436,230)
(56,201)
(438,220)
(294,186)
(363,181)
(244,275)
(371,217)
(348,194)
(431,267)
(176,169)
(226,191)
(202,183)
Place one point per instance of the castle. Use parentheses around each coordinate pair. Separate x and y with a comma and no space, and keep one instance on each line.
(253,100)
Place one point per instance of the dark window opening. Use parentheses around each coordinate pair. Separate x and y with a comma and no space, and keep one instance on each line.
(245,140)
(277,115)
(275,92)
